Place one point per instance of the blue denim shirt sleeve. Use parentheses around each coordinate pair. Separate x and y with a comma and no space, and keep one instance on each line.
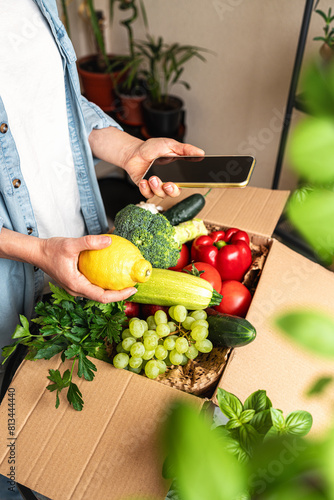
(95,118)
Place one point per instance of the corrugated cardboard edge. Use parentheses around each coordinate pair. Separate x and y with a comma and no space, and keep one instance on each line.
(89,448)
(288,281)
(256,210)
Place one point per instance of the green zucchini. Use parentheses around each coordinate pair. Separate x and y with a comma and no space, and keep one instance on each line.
(171,288)
(186,209)
(226,330)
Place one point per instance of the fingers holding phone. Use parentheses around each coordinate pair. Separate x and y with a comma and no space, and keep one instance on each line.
(153,186)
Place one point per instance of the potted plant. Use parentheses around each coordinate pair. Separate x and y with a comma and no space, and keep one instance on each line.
(327,47)
(101,72)
(130,88)
(164,66)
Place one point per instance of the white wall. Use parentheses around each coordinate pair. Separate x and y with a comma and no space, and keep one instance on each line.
(238,97)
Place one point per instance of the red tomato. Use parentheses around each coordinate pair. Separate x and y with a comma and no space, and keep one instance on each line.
(236,299)
(184,258)
(209,273)
(132,309)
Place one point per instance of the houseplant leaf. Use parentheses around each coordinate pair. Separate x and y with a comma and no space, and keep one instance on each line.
(311,329)
(197,453)
(312,150)
(312,213)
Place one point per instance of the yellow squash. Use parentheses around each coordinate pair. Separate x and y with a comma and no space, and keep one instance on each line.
(118,266)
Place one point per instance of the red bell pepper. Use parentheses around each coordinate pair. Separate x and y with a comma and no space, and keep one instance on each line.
(228,251)
(204,248)
(233,260)
(233,234)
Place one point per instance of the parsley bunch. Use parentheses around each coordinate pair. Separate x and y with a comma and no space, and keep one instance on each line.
(76,328)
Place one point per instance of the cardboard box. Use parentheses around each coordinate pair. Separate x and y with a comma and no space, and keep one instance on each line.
(110,449)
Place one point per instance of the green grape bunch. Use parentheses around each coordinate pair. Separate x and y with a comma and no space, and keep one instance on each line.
(150,346)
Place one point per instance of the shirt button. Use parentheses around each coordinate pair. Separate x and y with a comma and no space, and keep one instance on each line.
(3,128)
(16,183)
(29,230)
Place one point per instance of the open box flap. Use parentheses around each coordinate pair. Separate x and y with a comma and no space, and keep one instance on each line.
(273,362)
(256,210)
(109,450)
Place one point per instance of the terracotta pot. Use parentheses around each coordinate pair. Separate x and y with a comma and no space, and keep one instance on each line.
(131,107)
(97,87)
(163,120)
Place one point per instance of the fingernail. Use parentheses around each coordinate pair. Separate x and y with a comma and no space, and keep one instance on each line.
(168,188)
(154,182)
(105,240)
(142,184)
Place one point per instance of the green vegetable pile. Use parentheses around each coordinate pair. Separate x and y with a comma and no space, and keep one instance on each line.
(151,233)
(76,328)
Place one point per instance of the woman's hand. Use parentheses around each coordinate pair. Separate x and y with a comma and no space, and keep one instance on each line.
(135,156)
(58,257)
(140,158)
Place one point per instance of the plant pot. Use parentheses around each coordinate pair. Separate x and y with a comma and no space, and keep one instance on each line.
(131,106)
(327,52)
(98,87)
(163,119)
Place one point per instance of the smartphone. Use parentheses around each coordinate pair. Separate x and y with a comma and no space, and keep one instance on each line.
(203,171)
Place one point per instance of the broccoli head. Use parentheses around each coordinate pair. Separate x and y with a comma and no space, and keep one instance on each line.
(153,234)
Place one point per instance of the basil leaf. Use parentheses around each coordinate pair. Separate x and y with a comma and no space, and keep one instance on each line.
(229,404)
(249,437)
(233,423)
(246,416)
(313,330)
(256,401)
(262,421)
(273,432)
(277,419)
(298,423)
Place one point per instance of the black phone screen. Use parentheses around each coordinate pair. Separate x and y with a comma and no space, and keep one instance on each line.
(203,170)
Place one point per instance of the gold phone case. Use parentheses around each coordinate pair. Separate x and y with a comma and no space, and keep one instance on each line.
(211,184)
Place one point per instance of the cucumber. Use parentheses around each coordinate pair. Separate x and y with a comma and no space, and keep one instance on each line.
(171,288)
(186,209)
(226,330)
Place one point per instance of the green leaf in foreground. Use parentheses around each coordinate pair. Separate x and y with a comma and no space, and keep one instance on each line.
(190,443)
(320,385)
(311,151)
(312,330)
(312,214)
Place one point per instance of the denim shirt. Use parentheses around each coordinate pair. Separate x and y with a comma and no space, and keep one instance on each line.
(21,284)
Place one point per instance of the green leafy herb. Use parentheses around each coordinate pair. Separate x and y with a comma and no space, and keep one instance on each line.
(74,327)
(256,421)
